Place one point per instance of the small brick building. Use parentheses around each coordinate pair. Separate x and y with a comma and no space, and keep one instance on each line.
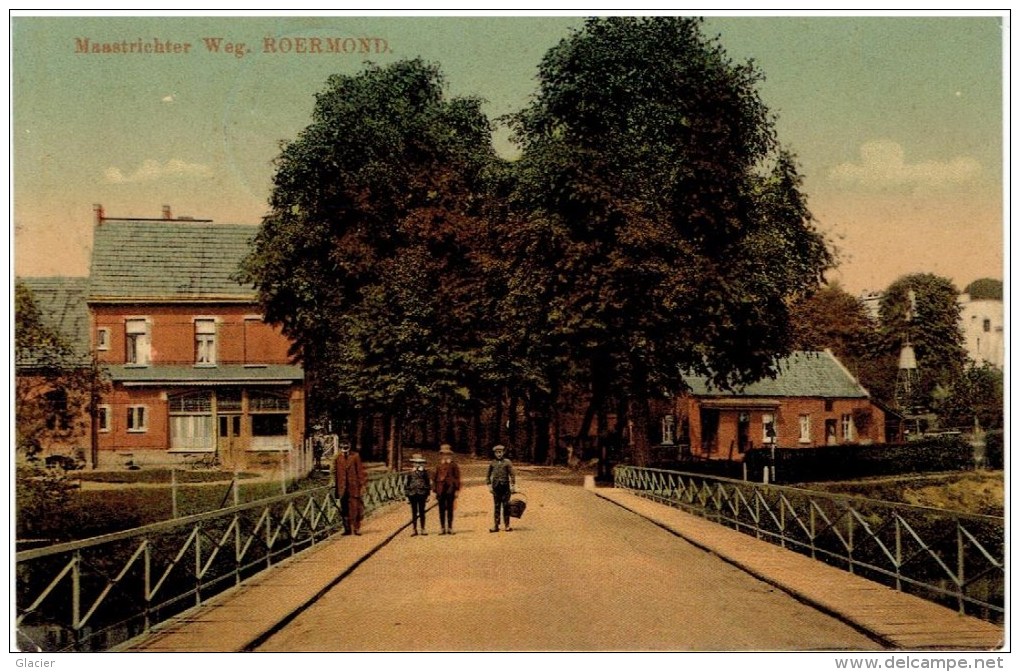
(813,401)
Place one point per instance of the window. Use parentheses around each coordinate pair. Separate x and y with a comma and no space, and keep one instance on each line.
(205,342)
(103,418)
(828,405)
(103,338)
(136,419)
(805,429)
(267,401)
(191,421)
(847,422)
(269,424)
(191,432)
(57,416)
(768,428)
(986,326)
(668,426)
(270,420)
(136,333)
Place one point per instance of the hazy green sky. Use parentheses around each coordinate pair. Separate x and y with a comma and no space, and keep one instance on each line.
(897,121)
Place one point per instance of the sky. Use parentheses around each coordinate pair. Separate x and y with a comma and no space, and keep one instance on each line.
(896,121)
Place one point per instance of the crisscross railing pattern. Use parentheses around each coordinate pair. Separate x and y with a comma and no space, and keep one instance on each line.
(949,557)
(93,594)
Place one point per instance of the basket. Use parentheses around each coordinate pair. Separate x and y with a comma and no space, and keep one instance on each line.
(518,502)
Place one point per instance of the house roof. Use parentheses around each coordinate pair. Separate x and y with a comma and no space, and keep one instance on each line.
(168,260)
(62,308)
(802,374)
(233,374)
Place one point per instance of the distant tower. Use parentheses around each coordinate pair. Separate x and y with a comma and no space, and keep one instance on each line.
(906,376)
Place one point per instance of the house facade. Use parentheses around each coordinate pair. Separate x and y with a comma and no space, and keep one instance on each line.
(195,373)
(813,401)
(983,330)
(53,391)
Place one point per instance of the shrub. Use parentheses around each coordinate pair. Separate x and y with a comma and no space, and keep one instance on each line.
(994,446)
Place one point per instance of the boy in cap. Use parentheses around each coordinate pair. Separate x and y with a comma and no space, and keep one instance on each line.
(501,481)
(417,490)
(446,484)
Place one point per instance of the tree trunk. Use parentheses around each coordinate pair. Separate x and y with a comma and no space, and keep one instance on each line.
(512,422)
(497,421)
(476,445)
(639,413)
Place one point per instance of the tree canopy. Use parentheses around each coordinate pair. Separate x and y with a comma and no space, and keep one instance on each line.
(368,255)
(652,224)
(985,289)
(931,324)
(657,222)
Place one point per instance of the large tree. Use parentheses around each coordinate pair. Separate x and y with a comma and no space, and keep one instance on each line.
(922,310)
(369,254)
(834,319)
(658,225)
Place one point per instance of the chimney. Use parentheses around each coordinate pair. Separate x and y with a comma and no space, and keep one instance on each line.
(167,214)
(100,215)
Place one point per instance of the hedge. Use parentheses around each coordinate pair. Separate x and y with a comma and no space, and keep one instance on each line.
(848,461)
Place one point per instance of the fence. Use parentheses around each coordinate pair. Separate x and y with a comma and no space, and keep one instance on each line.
(952,558)
(93,594)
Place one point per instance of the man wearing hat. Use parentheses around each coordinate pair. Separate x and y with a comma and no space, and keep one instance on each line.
(501,482)
(351,477)
(446,484)
(417,490)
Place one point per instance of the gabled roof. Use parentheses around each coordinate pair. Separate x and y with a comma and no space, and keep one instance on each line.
(62,308)
(168,260)
(802,374)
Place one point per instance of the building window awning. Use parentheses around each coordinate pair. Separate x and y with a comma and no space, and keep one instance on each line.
(232,375)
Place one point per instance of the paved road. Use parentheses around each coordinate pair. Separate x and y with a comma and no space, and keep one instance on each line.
(578,573)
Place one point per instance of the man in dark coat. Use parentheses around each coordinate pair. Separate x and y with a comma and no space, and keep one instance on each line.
(446,484)
(501,481)
(351,478)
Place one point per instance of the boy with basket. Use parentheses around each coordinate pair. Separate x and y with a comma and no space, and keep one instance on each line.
(501,481)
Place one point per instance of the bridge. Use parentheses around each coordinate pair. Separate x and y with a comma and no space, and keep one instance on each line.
(585,569)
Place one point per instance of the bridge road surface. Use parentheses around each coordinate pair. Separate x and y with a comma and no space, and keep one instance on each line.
(577,573)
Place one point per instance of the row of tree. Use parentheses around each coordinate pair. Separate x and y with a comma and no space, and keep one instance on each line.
(652,224)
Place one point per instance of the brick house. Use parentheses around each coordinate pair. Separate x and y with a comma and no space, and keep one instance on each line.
(196,374)
(813,401)
(53,391)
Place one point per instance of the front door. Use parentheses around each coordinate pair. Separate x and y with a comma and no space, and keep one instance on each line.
(228,440)
(743,431)
(709,430)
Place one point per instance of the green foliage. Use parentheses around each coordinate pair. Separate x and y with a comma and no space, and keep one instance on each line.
(931,326)
(834,463)
(657,224)
(833,319)
(370,257)
(994,453)
(652,224)
(976,396)
(985,289)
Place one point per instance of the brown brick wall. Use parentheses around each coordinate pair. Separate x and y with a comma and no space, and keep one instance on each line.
(240,339)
